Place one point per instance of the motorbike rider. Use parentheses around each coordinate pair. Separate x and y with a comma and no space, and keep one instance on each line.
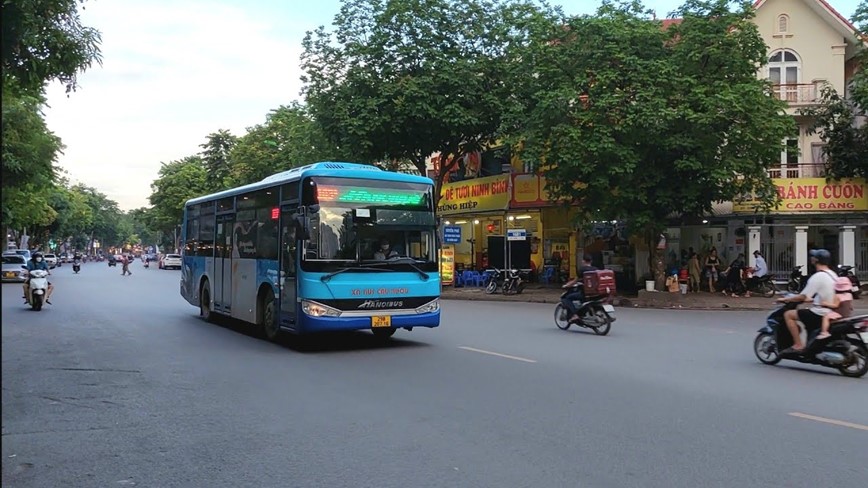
(820,288)
(37,262)
(76,259)
(568,301)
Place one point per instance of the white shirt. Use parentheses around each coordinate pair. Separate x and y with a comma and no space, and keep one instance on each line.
(820,287)
(761,268)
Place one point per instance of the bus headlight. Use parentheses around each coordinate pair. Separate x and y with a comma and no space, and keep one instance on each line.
(315,309)
(432,306)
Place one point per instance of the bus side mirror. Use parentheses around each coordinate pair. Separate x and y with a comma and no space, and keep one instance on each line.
(302,227)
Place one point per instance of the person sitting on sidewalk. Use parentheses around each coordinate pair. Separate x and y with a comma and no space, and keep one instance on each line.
(734,285)
(841,305)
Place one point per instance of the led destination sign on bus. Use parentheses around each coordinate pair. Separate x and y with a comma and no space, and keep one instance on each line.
(358,194)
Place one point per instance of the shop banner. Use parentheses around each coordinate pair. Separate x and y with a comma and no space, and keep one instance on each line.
(447,265)
(529,190)
(476,195)
(814,195)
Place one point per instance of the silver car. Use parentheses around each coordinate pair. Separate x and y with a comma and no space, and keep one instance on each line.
(14,268)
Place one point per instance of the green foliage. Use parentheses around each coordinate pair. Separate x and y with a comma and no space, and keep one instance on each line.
(289,138)
(840,120)
(402,79)
(178,181)
(215,158)
(29,153)
(43,40)
(632,121)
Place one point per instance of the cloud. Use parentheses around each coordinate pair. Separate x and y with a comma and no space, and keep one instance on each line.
(173,72)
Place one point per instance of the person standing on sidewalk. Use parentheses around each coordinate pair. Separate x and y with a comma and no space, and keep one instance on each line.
(694,272)
(125,263)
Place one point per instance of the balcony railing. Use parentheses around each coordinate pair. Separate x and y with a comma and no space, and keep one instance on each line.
(808,170)
(796,93)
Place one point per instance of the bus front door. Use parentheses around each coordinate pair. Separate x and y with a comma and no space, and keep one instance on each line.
(288,273)
(223,265)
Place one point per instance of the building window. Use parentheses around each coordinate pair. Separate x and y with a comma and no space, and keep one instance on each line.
(783,24)
(784,68)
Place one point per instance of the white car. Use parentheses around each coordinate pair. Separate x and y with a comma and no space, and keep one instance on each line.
(51,259)
(171,261)
(14,268)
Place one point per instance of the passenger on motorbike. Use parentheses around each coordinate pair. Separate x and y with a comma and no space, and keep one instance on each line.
(568,301)
(37,262)
(820,288)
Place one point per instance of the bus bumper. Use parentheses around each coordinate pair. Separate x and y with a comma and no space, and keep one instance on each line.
(335,324)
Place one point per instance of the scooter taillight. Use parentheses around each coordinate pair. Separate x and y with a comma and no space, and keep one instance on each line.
(863,325)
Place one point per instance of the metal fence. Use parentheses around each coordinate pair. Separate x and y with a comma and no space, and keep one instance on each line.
(862,260)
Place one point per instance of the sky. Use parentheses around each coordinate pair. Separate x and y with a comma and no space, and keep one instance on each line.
(175,71)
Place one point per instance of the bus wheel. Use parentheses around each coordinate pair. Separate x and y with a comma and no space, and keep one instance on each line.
(270,327)
(384,333)
(205,302)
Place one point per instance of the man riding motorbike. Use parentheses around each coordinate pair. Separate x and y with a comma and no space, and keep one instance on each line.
(37,262)
(568,301)
(820,288)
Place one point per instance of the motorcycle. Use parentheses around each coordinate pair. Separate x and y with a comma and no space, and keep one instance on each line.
(845,350)
(38,288)
(848,272)
(76,266)
(593,313)
(509,280)
(763,286)
(797,281)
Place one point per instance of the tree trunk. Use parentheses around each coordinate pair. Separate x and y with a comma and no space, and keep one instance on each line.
(656,259)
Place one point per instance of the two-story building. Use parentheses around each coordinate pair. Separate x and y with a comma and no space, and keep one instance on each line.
(810,45)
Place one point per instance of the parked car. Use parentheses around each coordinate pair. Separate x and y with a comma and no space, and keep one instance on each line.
(171,261)
(14,268)
(23,252)
(51,259)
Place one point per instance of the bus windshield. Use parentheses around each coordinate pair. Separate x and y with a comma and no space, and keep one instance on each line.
(367,221)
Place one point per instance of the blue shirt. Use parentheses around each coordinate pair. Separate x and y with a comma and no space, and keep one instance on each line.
(32,265)
(762,268)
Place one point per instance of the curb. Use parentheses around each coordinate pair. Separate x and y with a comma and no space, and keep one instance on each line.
(618,302)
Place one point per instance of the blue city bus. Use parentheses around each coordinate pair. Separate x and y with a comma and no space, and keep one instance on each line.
(302,251)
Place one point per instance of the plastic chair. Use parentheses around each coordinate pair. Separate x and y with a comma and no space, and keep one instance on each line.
(472,277)
(548,275)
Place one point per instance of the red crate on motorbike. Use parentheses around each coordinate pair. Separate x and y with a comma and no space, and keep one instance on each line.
(599,283)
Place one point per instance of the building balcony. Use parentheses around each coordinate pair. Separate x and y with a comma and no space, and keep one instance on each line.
(809,170)
(797,93)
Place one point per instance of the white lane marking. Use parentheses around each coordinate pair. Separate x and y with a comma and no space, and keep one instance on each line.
(828,421)
(490,353)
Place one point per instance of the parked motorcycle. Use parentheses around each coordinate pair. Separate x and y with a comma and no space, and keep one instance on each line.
(38,288)
(850,272)
(508,280)
(593,313)
(845,350)
(765,286)
(797,280)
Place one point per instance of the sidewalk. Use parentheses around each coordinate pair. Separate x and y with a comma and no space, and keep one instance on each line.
(645,299)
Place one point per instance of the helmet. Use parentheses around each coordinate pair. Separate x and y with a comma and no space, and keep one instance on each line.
(37,254)
(823,256)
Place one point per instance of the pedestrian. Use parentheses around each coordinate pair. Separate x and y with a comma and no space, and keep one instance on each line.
(694,272)
(712,263)
(125,266)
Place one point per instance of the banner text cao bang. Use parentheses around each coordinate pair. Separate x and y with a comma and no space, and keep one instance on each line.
(816,195)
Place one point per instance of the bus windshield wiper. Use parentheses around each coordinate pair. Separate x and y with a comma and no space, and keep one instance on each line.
(405,260)
(325,278)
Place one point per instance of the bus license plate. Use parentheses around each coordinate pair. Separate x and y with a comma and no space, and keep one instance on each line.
(381,321)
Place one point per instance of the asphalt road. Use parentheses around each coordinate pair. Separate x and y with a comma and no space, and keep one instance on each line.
(120,384)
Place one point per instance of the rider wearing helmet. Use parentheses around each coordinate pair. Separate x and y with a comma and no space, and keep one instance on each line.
(37,261)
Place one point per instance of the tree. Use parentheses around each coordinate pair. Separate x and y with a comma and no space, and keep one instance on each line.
(631,121)
(44,40)
(404,79)
(29,154)
(289,138)
(840,120)
(215,157)
(178,181)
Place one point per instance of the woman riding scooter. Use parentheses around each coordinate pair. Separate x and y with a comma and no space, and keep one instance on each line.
(37,262)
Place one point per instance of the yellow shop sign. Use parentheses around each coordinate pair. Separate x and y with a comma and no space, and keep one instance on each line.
(476,195)
(815,195)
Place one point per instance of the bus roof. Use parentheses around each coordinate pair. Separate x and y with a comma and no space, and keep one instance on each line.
(329,168)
